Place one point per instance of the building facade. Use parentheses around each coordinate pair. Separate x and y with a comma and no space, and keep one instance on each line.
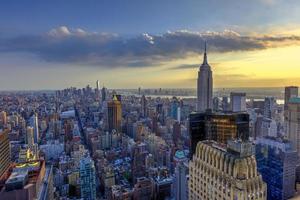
(114,112)
(4,153)
(289,92)
(218,127)
(277,161)
(238,102)
(293,122)
(219,173)
(87,179)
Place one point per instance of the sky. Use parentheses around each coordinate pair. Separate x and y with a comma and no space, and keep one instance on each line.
(149,44)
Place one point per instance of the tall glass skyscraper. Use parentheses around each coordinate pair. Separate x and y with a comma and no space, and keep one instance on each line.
(219,127)
(35,124)
(276,161)
(87,179)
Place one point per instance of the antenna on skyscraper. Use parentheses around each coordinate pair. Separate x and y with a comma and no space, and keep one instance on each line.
(205,56)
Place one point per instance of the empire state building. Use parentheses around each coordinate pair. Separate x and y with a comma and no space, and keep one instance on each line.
(204,86)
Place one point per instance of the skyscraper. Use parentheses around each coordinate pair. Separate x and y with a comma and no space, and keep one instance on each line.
(219,173)
(30,136)
(204,86)
(289,92)
(4,152)
(218,126)
(3,119)
(97,85)
(35,124)
(144,106)
(238,102)
(174,108)
(269,107)
(181,181)
(114,112)
(276,161)
(293,123)
(103,94)
(269,126)
(87,179)
(97,90)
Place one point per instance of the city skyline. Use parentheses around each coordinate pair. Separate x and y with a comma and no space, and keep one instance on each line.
(154,100)
(125,45)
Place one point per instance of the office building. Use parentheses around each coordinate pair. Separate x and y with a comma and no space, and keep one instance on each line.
(217,126)
(204,86)
(4,153)
(216,172)
(35,124)
(174,108)
(30,135)
(238,102)
(269,107)
(277,161)
(3,119)
(103,94)
(289,92)
(114,116)
(293,123)
(97,85)
(143,106)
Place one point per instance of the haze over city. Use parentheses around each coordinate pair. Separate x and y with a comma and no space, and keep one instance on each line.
(150,44)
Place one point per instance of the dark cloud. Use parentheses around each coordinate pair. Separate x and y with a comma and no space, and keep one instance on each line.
(186,66)
(76,46)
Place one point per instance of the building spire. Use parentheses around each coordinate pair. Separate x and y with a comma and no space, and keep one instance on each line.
(205,55)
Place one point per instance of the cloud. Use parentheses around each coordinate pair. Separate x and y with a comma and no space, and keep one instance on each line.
(80,47)
(185,66)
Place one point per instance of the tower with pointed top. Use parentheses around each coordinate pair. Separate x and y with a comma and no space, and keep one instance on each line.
(114,112)
(204,85)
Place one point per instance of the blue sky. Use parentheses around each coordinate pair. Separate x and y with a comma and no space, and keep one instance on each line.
(88,40)
(155,16)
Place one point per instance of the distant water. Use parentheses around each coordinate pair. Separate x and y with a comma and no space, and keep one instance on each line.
(251,93)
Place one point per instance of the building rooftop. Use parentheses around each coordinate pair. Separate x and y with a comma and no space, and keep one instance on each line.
(280,143)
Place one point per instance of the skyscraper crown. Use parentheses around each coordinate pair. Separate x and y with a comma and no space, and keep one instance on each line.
(205,64)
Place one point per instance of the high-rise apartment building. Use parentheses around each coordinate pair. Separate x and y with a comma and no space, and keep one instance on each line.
(219,173)
(276,161)
(87,179)
(114,116)
(204,86)
(217,126)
